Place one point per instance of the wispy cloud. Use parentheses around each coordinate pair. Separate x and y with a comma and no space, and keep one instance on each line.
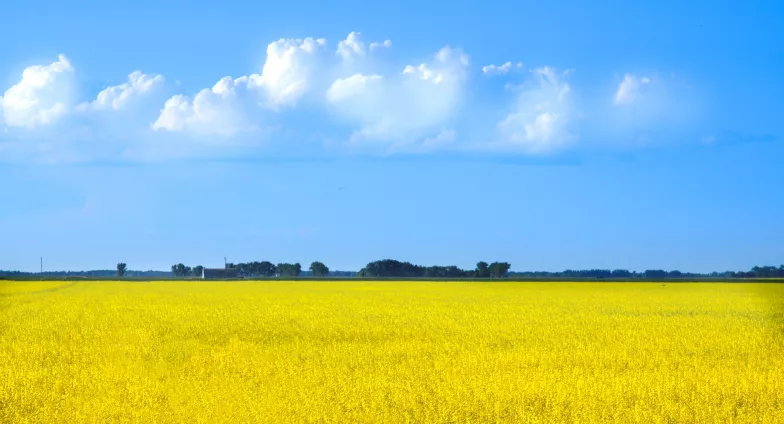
(630,89)
(541,115)
(501,69)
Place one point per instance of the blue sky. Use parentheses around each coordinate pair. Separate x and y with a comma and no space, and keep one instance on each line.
(551,135)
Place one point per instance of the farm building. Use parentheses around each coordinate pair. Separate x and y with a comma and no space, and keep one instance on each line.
(219,273)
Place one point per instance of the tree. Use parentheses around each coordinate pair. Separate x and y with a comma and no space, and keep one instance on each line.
(767,271)
(121,268)
(392,268)
(267,269)
(499,269)
(621,273)
(198,270)
(180,270)
(450,271)
(319,269)
(289,270)
(655,274)
(482,270)
(254,269)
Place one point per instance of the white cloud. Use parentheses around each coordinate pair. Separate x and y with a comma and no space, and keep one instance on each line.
(406,106)
(501,69)
(117,96)
(225,109)
(542,113)
(662,107)
(445,137)
(629,89)
(288,71)
(219,110)
(386,44)
(388,107)
(353,47)
(355,85)
(402,108)
(43,96)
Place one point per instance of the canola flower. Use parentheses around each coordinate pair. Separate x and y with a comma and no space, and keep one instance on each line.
(407,352)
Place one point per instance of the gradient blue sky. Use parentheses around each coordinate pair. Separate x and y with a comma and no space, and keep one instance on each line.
(620,135)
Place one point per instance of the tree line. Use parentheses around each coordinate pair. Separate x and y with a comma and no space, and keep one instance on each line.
(382,268)
(755,272)
(255,269)
(88,273)
(392,268)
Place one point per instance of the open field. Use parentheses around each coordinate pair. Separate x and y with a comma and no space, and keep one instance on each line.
(390,352)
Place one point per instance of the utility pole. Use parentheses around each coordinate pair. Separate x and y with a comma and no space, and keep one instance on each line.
(225,264)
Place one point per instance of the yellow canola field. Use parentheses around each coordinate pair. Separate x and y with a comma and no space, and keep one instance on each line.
(370,352)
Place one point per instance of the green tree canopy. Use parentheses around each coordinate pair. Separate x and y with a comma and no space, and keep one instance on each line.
(197,270)
(482,270)
(289,270)
(319,269)
(498,269)
(180,270)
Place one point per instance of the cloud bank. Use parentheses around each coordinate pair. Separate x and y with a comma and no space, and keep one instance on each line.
(377,104)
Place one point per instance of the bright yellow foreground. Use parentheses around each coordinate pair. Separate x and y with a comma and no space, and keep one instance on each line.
(346,352)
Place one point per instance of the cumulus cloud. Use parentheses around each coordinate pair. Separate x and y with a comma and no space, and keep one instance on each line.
(409,105)
(225,108)
(501,69)
(118,96)
(353,47)
(541,116)
(384,106)
(288,71)
(406,107)
(629,89)
(353,86)
(43,96)
(219,111)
